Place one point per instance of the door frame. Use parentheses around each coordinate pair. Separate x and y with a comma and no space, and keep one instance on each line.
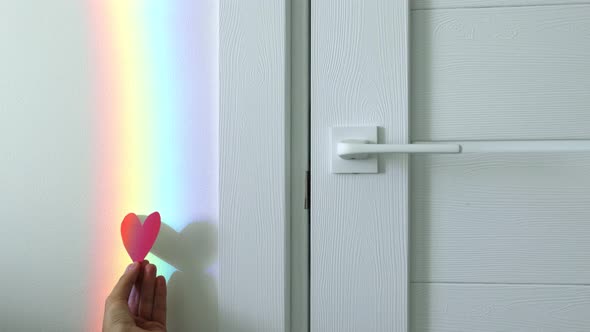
(263,138)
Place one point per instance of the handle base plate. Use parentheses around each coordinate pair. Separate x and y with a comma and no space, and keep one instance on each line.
(343,166)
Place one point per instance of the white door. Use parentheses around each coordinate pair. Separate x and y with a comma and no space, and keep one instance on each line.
(494,238)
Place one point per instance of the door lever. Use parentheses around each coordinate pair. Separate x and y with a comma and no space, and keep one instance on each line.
(352,149)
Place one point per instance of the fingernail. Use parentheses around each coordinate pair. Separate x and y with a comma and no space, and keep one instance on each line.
(132,266)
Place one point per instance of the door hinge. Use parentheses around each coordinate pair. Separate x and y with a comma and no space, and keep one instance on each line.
(307,190)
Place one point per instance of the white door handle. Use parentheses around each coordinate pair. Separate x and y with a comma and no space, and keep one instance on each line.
(354,148)
(360,149)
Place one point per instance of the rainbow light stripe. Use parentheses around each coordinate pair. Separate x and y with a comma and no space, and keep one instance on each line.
(156,125)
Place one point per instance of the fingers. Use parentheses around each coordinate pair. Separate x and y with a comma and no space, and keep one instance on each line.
(123,287)
(148,286)
(143,292)
(135,296)
(159,311)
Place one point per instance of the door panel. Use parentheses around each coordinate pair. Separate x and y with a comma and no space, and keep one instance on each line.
(501,73)
(438,4)
(499,241)
(499,308)
(359,222)
(516,218)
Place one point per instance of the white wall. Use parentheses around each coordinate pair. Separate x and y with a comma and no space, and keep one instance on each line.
(45,167)
(48,166)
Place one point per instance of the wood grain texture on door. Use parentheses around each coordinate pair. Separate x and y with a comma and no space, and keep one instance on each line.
(440,4)
(359,222)
(499,308)
(501,73)
(499,241)
(254,122)
(510,218)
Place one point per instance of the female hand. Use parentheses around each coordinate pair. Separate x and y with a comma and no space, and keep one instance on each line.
(138,301)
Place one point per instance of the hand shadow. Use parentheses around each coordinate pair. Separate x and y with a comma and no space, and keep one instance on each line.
(192,292)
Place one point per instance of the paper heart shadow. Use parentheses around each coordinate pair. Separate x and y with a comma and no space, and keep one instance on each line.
(194,248)
(192,290)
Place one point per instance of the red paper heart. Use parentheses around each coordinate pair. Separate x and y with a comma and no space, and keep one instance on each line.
(138,239)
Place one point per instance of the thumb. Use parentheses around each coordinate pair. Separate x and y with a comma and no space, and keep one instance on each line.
(125,284)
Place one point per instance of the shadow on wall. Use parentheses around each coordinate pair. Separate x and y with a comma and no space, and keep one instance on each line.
(192,291)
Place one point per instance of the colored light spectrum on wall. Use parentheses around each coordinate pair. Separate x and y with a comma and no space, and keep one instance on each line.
(155,127)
